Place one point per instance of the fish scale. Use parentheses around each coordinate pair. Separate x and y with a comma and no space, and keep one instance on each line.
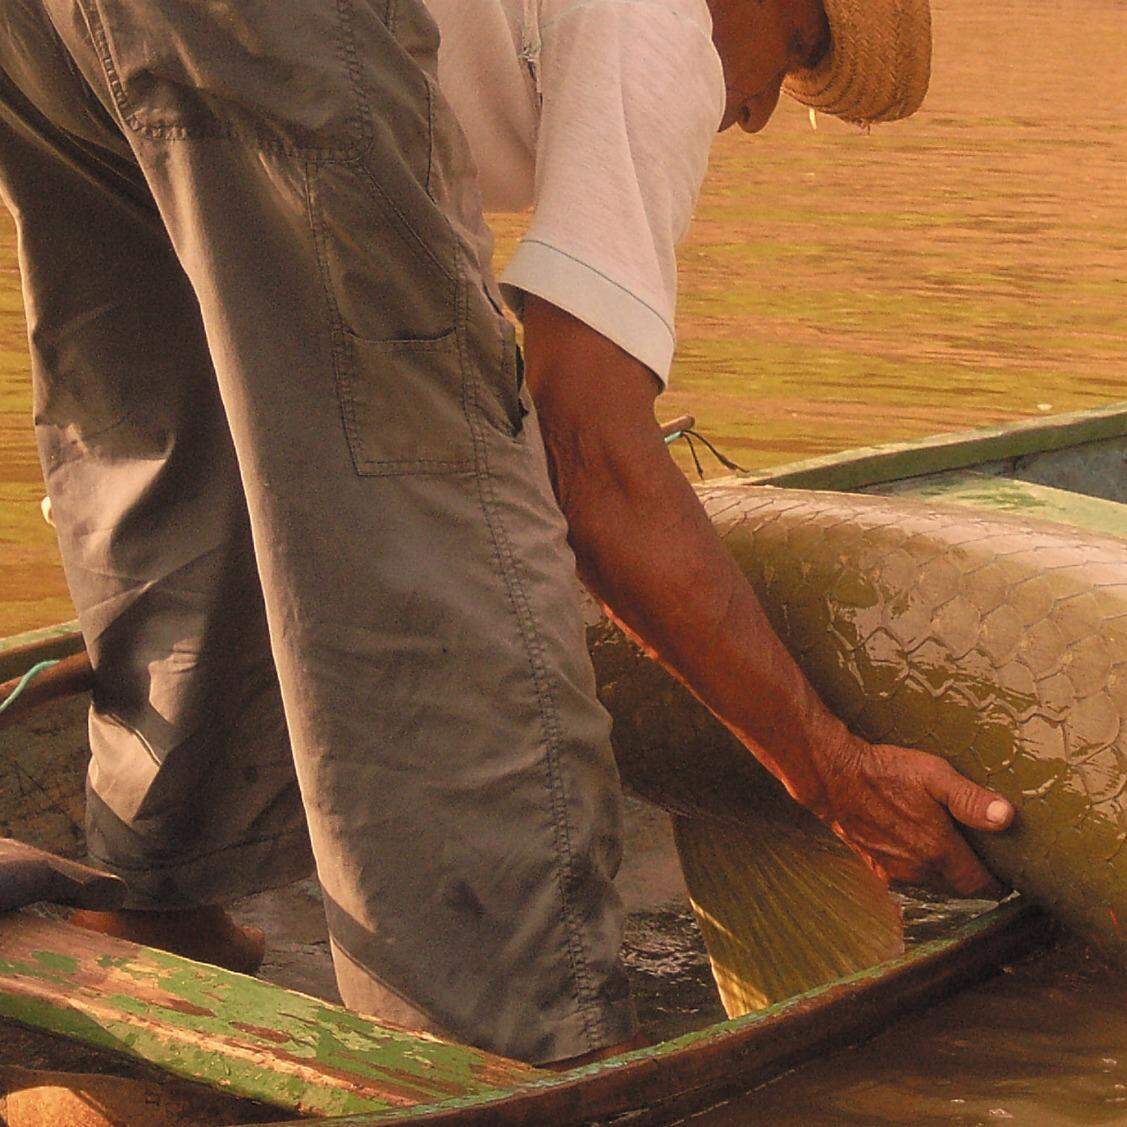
(992,640)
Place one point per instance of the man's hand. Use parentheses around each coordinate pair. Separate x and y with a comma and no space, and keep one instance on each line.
(646,549)
(898,808)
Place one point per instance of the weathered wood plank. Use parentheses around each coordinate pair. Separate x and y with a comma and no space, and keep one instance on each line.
(232,1032)
(42,777)
(25,1048)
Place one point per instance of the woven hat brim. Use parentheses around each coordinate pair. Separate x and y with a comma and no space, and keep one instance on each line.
(878,65)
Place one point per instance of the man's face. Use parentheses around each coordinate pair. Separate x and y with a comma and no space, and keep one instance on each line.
(759,41)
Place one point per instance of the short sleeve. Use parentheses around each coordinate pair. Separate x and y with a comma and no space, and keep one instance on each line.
(633,93)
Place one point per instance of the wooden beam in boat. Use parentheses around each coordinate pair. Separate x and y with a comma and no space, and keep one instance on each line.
(67,677)
(235,1033)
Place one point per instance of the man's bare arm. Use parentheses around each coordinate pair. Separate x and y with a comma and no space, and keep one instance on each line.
(646,549)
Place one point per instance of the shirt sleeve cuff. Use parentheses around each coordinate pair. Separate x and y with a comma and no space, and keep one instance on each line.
(594,299)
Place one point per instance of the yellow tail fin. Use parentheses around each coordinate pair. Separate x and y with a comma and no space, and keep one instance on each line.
(782,908)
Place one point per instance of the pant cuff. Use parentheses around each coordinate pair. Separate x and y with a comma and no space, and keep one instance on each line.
(214,878)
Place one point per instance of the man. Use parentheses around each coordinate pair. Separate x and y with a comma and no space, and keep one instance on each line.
(306,513)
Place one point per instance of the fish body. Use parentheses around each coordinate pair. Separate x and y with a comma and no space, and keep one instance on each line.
(996,642)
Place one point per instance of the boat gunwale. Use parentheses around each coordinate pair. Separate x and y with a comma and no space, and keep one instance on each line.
(728,1057)
(19,652)
(864,466)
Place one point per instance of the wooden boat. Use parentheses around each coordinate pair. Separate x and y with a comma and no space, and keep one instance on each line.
(309,1058)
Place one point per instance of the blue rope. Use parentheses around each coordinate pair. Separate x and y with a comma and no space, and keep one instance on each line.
(25,680)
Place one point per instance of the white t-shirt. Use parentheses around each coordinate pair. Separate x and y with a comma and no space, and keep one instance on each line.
(599,114)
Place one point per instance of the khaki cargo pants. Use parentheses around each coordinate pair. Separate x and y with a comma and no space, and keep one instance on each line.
(304,517)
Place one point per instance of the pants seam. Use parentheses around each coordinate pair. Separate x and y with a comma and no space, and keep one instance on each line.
(336,346)
(390,204)
(430,136)
(112,716)
(593,1025)
(365,134)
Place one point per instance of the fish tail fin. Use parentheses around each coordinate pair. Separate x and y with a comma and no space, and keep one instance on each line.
(782,911)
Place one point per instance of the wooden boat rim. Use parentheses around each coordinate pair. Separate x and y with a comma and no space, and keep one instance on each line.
(865,466)
(730,1056)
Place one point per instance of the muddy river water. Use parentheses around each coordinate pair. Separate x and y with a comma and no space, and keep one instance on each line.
(838,288)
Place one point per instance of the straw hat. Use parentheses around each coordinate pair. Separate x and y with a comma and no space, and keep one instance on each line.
(878,64)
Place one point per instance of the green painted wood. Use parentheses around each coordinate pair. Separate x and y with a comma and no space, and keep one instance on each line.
(871,465)
(1004,494)
(235,1033)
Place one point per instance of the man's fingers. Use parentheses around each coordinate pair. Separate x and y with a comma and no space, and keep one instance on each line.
(978,808)
(970,804)
(964,873)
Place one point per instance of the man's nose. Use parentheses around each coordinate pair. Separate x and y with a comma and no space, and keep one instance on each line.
(756,112)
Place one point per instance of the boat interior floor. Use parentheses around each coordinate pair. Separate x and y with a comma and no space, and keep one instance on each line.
(1083,486)
(1023,498)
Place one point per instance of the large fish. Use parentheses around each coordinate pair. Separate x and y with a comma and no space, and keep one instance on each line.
(993,641)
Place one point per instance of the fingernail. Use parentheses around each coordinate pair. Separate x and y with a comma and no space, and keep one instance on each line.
(997,812)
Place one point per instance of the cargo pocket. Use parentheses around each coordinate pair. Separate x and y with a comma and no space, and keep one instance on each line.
(391,270)
(403,405)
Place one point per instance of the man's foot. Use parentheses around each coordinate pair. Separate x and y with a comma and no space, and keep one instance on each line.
(208,935)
